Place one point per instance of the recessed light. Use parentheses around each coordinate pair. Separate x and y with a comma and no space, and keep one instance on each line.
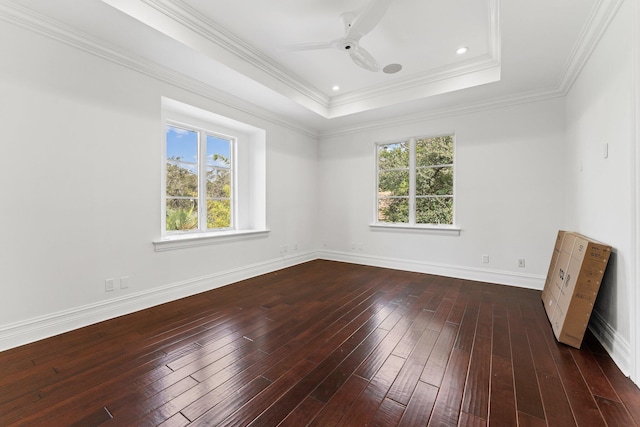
(335,88)
(462,50)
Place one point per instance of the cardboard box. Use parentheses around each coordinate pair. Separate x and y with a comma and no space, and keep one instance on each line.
(549,294)
(556,253)
(573,280)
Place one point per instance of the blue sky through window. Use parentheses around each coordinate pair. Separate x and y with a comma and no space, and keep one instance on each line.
(220,147)
(183,144)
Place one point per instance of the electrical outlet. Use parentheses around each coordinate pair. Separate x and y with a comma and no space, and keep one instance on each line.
(124,282)
(521,263)
(109,285)
(485,259)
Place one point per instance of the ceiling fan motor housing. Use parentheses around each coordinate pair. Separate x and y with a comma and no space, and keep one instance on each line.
(348,45)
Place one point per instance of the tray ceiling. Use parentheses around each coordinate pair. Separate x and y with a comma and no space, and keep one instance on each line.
(517,49)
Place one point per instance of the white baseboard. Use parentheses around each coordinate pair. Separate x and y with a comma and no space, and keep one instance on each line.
(617,347)
(31,330)
(38,328)
(529,281)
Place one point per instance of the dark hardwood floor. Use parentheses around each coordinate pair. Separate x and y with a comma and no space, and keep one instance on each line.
(322,344)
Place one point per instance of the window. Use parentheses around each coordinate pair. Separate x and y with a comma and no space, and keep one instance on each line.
(199,180)
(213,178)
(415,181)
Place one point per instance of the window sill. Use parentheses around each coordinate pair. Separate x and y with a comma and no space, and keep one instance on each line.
(443,230)
(181,241)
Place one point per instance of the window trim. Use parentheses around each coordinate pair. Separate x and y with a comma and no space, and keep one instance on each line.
(180,241)
(203,130)
(447,229)
(249,164)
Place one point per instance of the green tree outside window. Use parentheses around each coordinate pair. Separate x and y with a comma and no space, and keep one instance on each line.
(415,181)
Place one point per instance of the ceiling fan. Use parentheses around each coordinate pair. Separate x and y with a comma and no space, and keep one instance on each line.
(356,26)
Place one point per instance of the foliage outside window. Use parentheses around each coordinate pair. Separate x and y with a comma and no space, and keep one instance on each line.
(415,181)
(199,180)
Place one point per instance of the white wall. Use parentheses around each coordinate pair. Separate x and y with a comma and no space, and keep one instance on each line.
(80,189)
(600,191)
(508,195)
(80,186)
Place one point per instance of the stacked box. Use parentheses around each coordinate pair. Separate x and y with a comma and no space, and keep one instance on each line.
(572,284)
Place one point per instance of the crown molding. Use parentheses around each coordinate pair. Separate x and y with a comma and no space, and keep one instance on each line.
(440,74)
(476,65)
(480,70)
(428,88)
(184,25)
(522,98)
(601,16)
(212,31)
(41,24)
(495,40)
(187,25)
(600,19)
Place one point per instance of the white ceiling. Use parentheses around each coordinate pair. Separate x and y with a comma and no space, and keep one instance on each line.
(406,35)
(517,48)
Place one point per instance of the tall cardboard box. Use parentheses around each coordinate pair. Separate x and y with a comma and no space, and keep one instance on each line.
(575,274)
(549,297)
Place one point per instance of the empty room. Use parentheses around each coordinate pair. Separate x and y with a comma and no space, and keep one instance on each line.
(320,213)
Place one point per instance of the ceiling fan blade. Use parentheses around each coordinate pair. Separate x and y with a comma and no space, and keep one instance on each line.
(368,18)
(311,46)
(363,59)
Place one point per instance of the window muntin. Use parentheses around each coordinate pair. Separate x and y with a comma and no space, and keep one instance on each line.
(415,181)
(199,180)
(219,181)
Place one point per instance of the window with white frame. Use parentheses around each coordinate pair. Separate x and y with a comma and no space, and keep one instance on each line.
(415,181)
(199,179)
(213,185)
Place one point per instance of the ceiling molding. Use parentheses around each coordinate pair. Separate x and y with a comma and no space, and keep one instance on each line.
(193,28)
(13,12)
(178,21)
(212,31)
(422,85)
(480,64)
(36,22)
(495,37)
(509,101)
(428,88)
(601,16)
(480,70)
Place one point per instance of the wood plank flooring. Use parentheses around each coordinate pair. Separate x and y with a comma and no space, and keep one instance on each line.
(322,344)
